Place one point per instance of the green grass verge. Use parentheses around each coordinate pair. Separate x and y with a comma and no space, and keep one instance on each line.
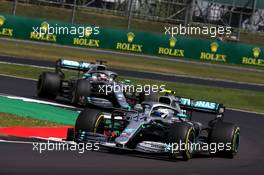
(100,18)
(52,53)
(8,120)
(232,98)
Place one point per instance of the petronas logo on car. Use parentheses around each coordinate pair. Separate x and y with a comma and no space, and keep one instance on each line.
(204,104)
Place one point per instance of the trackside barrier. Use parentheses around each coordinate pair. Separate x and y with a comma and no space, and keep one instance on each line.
(136,42)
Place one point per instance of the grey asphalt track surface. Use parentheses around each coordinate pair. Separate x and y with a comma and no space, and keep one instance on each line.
(147,75)
(20,159)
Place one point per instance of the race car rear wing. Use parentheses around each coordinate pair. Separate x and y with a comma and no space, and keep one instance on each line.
(79,65)
(197,105)
(201,106)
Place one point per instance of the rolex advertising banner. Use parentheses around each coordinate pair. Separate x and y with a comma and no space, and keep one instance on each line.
(181,47)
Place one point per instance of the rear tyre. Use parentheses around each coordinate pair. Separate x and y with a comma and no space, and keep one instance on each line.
(181,134)
(90,120)
(82,89)
(48,85)
(227,134)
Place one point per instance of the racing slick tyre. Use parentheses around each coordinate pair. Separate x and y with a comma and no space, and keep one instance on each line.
(81,89)
(227,134)
(48,85)
(90,120)
(180,137)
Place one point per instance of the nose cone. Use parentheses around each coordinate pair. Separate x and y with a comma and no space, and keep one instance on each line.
(122,140)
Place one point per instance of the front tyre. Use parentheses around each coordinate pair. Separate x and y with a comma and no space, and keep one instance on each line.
(180,137)
(90,120)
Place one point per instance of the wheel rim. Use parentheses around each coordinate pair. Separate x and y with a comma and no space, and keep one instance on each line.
(236,141)
(189,143)
(99,125)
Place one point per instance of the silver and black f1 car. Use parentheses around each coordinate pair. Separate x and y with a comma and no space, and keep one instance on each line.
(94,85)
(164,127)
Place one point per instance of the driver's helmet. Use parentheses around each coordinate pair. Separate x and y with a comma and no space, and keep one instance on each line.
(146,109)
(101,77)
(160,112)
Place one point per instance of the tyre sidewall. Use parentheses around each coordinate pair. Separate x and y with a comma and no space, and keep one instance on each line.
(49,84)
(225,133)
(82,88)
(88,120)
(180,133)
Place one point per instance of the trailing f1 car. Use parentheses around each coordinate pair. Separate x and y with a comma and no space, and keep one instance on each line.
(94,85)
(164,127)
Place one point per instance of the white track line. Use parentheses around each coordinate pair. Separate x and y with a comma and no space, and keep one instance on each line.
(37,101)
(245,111)
(41,140)
(17,77)
(20,142)
(28,65)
